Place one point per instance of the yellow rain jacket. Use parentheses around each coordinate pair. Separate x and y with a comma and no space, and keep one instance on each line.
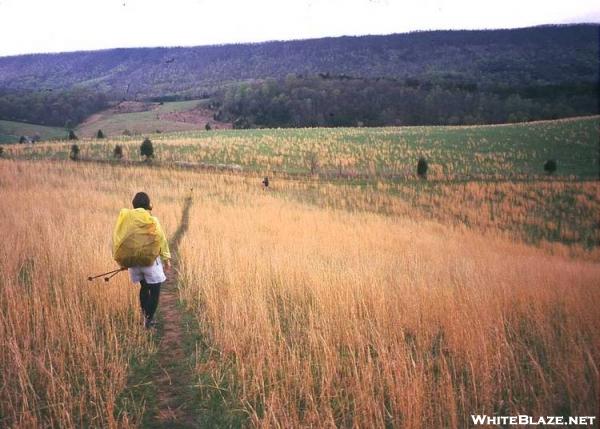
(138,239)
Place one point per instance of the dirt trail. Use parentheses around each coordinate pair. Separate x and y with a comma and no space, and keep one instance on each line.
(175,395)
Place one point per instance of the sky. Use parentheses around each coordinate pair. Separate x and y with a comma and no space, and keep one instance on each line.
(35,26)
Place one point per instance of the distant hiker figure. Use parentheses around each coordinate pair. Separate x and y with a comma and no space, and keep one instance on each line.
(139,244)
(265,182)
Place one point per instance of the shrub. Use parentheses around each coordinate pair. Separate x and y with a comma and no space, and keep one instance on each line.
(72,135)
(126,132)
(241,123)
(207,127)
(422,167)
(312,162)
(118,152)
(74,155)
(550,166)
(146,149)
(99,134)
(23,139)
(1,151)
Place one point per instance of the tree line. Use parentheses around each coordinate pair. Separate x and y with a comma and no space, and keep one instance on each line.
(55,108)
(342,100)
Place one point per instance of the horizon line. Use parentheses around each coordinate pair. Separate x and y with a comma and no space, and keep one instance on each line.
(261,42)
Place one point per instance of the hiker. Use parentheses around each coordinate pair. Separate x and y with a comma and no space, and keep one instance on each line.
(139,243)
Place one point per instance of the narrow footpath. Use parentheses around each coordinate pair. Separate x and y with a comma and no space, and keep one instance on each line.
(174,378)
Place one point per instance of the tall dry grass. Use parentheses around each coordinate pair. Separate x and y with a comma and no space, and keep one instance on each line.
(319,317)
(316,313)
(66,343)
(560,216)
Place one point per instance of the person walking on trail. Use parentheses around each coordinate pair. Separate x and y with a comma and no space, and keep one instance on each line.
(139,244)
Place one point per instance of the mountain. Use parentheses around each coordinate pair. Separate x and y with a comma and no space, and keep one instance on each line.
(540,55)
(560,62)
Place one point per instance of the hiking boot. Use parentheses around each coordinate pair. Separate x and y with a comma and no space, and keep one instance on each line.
(149,323)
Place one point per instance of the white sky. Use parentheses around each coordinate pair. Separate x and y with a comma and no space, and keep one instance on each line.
(67,25)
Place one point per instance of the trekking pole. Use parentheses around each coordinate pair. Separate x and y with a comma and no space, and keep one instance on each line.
(113,272)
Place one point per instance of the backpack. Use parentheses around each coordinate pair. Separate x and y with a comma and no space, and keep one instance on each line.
(135,239)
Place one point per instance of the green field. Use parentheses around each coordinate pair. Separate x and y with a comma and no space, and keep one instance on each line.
(113,123)
(489,152)
(11,131)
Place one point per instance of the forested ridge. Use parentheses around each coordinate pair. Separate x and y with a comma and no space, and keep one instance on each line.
(416,78)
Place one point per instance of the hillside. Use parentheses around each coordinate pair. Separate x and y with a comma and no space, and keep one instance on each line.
(532,56)
(130,117)
(439,77)
(11,132)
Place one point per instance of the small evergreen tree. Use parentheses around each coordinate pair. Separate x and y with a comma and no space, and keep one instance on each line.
(422,167)
(207,127)
(146,149)
(550,166)
(118,152)
(99,134)
(74,155)
(72,135)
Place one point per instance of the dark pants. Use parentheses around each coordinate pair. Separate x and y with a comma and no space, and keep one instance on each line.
(149,298)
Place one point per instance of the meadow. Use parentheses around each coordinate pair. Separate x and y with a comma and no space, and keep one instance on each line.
(324,317)
(11,131)
(512,151)
(490,178)
(66,342)
(140,118)
(313,304)
(357,296)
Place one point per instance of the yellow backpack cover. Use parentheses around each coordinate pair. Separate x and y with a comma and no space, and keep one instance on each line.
(135,239)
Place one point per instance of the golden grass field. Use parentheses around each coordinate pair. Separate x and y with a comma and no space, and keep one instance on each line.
(318,305)
(65,341)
